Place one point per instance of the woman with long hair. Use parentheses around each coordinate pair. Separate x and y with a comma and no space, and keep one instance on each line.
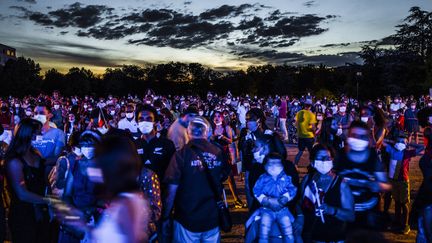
(127,217)
(28,214)
(222,136)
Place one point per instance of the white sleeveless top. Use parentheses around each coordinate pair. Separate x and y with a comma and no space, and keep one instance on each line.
(108,230)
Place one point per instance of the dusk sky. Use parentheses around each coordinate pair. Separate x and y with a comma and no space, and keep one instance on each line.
(221,34)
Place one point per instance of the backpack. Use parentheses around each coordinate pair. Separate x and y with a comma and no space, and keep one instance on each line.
(54,176)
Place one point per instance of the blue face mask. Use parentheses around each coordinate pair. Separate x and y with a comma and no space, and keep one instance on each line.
(252,125)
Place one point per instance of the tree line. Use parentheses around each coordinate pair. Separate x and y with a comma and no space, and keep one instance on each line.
(404,69)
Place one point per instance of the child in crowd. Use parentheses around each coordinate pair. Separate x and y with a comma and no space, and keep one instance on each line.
(400,154)
(274,189)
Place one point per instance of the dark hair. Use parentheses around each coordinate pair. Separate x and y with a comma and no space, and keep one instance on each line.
(23,135)
(120,164)
(148,108)
(320,147)
(74,139)
(272,155)
(358,124)
(90,136)
(258,114)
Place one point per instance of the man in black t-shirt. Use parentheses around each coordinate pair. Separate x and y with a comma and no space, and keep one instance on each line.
(155,151)
(363,170)
(192,187)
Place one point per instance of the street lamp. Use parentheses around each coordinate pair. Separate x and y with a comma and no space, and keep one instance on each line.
(358,75)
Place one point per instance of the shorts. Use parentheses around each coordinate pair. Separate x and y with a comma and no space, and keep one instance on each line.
(304,143)
(400,191)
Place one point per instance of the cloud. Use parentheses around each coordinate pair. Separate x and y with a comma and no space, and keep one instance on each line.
(28,1)
(75,15)
(229,25)
(293,58)
(309,4)
(224,11)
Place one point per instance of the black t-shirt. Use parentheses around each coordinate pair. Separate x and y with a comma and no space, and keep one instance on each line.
(357,175)
(155,154)
(195,203)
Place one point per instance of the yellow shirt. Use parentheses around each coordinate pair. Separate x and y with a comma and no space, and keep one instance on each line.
(305,119)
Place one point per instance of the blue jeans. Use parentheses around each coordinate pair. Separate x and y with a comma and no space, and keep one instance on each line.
(283,219)
(183,235)
(249,196)
(423,223)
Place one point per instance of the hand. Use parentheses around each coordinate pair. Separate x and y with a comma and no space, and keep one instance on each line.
(166,227)
(329,210)
(274,204)
(283,200)
(298,225)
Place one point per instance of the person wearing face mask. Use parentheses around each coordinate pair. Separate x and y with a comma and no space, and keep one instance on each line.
(72,125)
(374,118)
(306,126)
(343,119)
(400,154)
(329,134)
(28,213)
(222,137)
(194,184)
(6,116)
(396,105)
(178,130)
(365,174)
(57,116)
(129,123)
(155,152)
(52,140)
(273,190)
(241,113)
(62,170)
(411,122)
(326,220)
(18,112)
(80,190)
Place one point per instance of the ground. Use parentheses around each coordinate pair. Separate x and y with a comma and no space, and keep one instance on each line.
(240,215)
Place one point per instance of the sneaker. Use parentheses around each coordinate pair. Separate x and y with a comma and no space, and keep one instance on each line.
(239,204)
(406,230)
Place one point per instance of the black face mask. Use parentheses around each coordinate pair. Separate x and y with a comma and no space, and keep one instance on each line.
(4,109)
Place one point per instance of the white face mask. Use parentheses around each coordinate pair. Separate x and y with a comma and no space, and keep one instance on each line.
(41,118)
(258,157)
(380,106)
(323,167)
(364,119)
(430,119)
(400,146)
(200,113)
(218,123)
(274,170)
(129,115)
(295,103)
(319,118)
(88,152)
(342,109)
(56,107)
(28,113)
(145,127)
(77,151)
(112,113)
(357,144)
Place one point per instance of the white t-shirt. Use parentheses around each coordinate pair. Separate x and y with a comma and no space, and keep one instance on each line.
(125,124)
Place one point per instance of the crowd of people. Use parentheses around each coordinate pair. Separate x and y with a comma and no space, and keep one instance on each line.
(152,168)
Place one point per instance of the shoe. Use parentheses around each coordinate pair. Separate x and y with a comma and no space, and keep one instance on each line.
(406,230)
(239,204)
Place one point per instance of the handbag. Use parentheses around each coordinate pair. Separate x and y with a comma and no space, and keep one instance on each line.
(225,221)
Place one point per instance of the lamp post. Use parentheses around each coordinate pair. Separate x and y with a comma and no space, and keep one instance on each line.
(358,76)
